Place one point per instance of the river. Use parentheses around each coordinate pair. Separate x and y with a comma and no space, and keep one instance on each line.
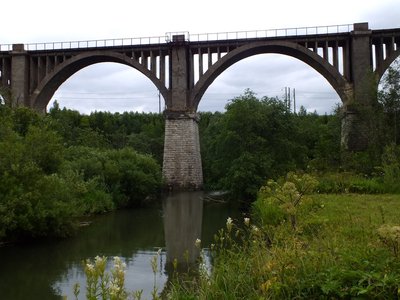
(49,269)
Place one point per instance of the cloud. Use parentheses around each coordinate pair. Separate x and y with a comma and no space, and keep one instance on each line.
(265,74)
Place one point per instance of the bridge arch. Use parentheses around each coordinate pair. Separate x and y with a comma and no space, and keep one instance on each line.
(381,69)
(336,80)
(41,96)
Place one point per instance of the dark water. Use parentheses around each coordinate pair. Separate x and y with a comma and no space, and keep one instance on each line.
(48,270)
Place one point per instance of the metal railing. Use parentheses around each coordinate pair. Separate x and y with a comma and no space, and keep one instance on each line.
(95,43)
(6,47)
(269,33)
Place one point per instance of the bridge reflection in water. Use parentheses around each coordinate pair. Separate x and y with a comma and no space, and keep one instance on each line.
(183,215)
(49,269)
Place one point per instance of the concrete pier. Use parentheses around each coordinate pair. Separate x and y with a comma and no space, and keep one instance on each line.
(182,169)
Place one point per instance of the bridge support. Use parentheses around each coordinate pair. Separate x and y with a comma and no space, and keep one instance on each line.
(182,169)
(19,76)
(355,122)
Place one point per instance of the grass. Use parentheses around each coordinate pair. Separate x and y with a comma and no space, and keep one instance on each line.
(335,252)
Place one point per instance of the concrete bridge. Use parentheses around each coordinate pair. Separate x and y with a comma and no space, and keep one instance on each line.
(352,58)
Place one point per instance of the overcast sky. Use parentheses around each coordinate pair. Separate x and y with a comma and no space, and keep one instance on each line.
(115,87)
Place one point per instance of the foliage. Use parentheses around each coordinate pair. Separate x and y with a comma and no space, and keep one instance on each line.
(127,176)
(349,255)
(348,182)
(391,168)
(389,98)
(253,140)
(110,285)
(143,132)
(46,184)
(5,96)
(102,284)
(284,198)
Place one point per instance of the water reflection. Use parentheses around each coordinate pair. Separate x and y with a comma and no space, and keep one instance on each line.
(183,215)
(48,269)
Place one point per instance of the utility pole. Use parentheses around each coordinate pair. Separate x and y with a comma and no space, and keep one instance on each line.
(159,102)
(288,98)
(294,100)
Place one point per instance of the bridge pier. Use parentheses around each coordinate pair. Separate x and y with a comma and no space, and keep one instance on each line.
(355,135)
(19,76)
(182,169)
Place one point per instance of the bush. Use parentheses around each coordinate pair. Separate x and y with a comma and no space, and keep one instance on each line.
(127,176)
(347,182)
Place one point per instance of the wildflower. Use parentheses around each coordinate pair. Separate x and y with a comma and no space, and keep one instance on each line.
(247,221)
(175,264)
(117,260)
(98,260)
(254,229)
(198,243)
(114,289)
(89,267)
(268,284)
(229,224)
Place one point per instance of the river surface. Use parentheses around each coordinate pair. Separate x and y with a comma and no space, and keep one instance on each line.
(49,269)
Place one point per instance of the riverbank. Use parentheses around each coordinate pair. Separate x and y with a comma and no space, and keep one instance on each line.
(347,246)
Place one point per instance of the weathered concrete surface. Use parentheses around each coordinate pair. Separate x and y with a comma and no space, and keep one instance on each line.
(20,76)
(182,169)
(355,135)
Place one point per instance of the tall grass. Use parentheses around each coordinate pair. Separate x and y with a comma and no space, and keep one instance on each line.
(337,251)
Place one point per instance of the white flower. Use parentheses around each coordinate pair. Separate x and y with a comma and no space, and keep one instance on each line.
(114,289)
(229,223)
(246,221)
(89,267)
(197,243)
(255,229)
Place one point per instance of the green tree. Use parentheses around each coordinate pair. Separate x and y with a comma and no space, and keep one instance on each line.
(255,139)
(389,97)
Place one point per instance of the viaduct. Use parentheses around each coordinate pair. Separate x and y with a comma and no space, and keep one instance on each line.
(352,58)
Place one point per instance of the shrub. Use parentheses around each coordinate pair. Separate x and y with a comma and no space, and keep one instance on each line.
(278,199)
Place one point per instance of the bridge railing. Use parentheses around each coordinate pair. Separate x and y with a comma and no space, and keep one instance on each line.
(269,33)
(95,43)
(6,47)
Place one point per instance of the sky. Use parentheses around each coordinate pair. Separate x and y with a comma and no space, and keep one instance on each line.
(118,88)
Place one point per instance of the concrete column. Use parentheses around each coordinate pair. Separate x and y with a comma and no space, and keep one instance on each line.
(19,76)
(357,108)
(361,63)
(180,69)
(182,169)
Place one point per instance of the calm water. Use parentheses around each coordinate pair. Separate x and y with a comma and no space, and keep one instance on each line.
(47,270)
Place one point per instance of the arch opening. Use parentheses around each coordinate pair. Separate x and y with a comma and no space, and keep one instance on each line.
(271,75)
(108,86)
(46,88)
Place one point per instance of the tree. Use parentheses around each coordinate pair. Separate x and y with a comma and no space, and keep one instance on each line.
(389,97)
(255,139)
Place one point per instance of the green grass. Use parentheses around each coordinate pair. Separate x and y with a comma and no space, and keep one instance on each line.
(335,252)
